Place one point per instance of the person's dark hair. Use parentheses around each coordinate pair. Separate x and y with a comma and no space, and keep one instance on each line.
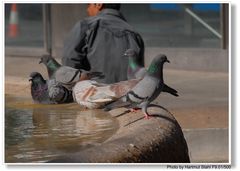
(112,6)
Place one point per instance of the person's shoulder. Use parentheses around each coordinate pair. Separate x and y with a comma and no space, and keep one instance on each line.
(90,19)
(89,22)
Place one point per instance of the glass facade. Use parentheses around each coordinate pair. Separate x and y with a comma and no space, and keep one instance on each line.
(161,25)
(24,25)
(170,25)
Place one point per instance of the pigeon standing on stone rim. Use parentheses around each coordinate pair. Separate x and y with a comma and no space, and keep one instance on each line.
(136,71)
(66,75)
(148,89)
(40,90)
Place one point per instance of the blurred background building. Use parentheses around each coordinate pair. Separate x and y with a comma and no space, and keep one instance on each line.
(181,31)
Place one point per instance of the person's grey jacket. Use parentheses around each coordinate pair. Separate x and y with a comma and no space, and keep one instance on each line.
(98,44)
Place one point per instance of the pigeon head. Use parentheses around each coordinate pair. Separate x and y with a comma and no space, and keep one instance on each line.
(130,53)
(36,77)
(132,59)
(45,59)
(163,59)
(157,64)
(51,64)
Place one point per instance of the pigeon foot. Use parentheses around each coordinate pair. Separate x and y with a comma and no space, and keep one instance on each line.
(147,116)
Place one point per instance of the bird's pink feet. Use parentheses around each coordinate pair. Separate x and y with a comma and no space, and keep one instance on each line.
(147,116)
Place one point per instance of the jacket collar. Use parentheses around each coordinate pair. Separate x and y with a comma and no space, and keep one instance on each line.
(112,12)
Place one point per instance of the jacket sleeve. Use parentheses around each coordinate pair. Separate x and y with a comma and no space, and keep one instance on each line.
(74,50)
(140,43)
(136,43)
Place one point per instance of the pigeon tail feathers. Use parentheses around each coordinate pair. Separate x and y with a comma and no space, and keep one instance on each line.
(121,102)
(170,90)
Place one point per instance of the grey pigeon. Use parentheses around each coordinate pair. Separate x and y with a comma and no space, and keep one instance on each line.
(66,75)
(136,71)
(146,90)
(41,94)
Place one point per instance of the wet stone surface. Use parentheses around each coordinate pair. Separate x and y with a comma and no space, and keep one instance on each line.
(38,133)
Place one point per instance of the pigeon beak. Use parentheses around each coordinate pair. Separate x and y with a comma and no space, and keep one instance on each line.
(167,61)
(30,79)
(40,61)
(124,55)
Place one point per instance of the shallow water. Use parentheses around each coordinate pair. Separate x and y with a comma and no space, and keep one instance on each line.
(38,133)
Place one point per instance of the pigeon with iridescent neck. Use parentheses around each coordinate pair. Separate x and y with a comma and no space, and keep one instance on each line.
(66,75)
(136,71)
(48,91)
(146,90)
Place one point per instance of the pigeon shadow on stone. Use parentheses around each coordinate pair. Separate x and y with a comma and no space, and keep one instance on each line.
(152,115)
(134,121)
(159,106)
(161,115)
(123,113)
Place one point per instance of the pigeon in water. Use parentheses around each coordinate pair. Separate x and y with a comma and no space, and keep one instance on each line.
(136,71)
(41,94)
(66,75)
(149,88)
(39,88)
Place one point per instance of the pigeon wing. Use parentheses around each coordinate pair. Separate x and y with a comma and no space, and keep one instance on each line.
(67,76)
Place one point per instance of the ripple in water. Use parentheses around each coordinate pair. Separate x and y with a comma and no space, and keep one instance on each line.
(38,133)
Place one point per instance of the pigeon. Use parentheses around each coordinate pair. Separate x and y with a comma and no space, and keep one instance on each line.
(136,71)
(92,95)
(48,91)
(39,88)
(146,90)
(66,75)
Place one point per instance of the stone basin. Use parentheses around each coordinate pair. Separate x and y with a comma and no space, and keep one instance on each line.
(137,140)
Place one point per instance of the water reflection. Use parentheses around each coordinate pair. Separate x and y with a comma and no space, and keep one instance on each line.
(37,133)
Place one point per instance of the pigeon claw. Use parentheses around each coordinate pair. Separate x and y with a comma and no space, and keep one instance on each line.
(147,116)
